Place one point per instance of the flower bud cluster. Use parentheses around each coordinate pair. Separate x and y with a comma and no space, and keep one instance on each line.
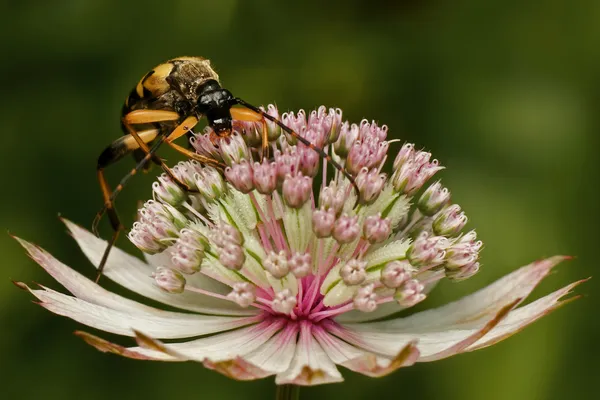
(412,169)
(278,264)
(228,241)
(169,280)
(157,224)
(188,251)
(462,257)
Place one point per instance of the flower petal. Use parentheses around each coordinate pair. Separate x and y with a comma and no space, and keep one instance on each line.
(135,275)
(518,319)
(465,324)
(362,361)
(157,323)
(310,365)
(107,347)
(222,347)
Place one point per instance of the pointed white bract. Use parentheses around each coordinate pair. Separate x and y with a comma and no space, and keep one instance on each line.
(278,281)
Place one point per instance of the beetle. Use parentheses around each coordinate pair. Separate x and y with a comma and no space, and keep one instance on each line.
(166,104)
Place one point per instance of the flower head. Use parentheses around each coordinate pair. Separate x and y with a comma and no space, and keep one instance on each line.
(274,280)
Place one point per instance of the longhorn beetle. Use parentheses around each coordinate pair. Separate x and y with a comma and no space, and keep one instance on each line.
(166,104)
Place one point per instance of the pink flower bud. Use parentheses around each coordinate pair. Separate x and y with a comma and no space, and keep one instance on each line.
(346,229)
(427,251)
(348,135)
(232,256)
(277,264)
(273,130)
(322,222)
(286,163)
(210,184)
(333,197)
(284,302)
(353,272)
(265,177)
(395,273)
(296,190)
(365,299)
(309,161)
(450,221)
(410,293)
(433,199)
(169,280)
(243,294)
(233,149)
(370,184)
(300,264)
(240,176)
(377,229)
(168,191)
(188,252)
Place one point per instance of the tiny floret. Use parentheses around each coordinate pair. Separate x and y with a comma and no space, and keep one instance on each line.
(284,302)
(169,280)
(243,294)
(377,229)
(366,299)
(396,273)
(346,229)
(353,272)
(277,264)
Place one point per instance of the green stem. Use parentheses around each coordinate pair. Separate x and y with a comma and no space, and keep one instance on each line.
(287,392)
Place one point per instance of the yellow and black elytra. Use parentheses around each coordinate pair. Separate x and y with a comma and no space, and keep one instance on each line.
(167,104)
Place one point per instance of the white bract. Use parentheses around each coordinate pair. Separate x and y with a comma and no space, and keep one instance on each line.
(273,281)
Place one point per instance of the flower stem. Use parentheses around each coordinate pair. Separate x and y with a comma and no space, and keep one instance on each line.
(287,392)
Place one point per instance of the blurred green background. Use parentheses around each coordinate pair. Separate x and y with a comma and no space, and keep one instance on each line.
(504,93)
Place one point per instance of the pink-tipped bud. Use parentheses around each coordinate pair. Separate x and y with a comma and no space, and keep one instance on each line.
(365,299)
(331,123)
(240,176)
(169,280)
(297,190)
(210,184)
(243,294)
(410,293)
(354,272)
(366,153)
(348,136)
(188,251)
(284,302)
(322,222)
(226,233)
(273,130)
(462,257)
(370,184)
(461,274)
(450,221)
(333,198)
(297,122)
(185,171)
(346,229)
(277,264)
(377,229)
(233,149)
(168,191)
(286,163)
(427,251)
(144,240)
(250,131)
(412,170)
(406,152)
(433,199)
(300,264)
(308,161)
(265,176)
(395,273)
(232,256)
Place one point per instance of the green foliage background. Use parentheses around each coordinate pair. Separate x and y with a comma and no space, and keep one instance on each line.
(505,93)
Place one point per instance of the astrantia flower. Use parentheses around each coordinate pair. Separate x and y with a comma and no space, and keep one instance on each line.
(274,281)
